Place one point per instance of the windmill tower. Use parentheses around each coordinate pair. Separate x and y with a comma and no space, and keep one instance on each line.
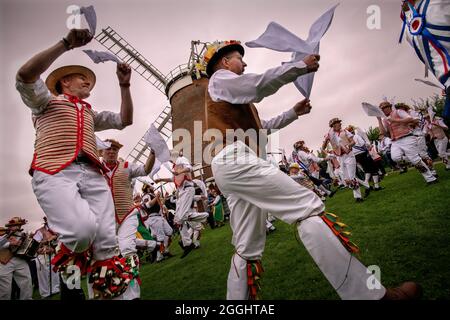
(184,86)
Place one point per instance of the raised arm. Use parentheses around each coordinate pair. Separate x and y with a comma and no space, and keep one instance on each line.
(227,86)
(126,107)
(38,64)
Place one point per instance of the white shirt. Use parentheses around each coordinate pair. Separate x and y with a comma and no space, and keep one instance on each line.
(36,96)
(384,144)
(228,86)
(359,143)
(134,171)
(307,157)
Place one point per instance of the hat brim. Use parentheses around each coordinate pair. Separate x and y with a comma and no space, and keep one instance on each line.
(57,74)
(220,53)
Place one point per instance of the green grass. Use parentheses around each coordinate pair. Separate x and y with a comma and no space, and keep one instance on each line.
(404,229)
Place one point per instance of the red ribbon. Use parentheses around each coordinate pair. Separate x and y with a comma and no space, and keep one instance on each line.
(75,100)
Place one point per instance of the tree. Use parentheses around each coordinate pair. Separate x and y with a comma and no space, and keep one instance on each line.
(373,133)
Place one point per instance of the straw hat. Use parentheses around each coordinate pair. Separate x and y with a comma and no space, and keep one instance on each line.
(57,74)
(16,221)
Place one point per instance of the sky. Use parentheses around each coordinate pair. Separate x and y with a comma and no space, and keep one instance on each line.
(357,64)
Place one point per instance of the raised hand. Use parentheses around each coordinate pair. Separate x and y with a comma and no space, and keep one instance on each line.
(312,62)
(123,73)
(77,38)
(302,107)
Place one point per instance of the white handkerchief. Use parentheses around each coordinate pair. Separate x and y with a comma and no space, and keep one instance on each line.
(156,142)
(102,145)
(372,111)
(91,18)
(430,83)
(278,38)
(101,56)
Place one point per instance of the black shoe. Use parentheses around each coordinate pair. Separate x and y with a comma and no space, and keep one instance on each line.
(367,192)
(378,189)
(187,250)
(359,200)
(332,194)
(432,182)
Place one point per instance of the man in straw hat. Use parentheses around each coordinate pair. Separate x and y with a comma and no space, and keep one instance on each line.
(254,186)
(12,266)
(66,168)
(119,175)
(398,124)
(342,144)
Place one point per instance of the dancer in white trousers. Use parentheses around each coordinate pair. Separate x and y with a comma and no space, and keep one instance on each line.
(157,223)
(12,266)
(398,125)
(66,168)
(419,131)
(254,186)
(119,175)
(185,212)
(342,143)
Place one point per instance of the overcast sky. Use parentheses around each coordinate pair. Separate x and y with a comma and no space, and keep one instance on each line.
(357,64)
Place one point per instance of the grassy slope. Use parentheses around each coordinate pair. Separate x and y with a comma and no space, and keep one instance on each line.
(404,229)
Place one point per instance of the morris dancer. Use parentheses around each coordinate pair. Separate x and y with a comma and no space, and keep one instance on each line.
(119,175)
(404,144)
(160,229)
(419,131)
(184,212)
(66,169)
(342,143)
(254,186)
(362,156)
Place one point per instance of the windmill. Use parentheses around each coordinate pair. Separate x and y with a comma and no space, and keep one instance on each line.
(184,86)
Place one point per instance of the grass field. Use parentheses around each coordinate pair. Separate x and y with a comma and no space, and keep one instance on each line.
(404,229)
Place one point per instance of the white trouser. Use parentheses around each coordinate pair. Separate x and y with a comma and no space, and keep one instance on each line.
(194,230)
(441,147)
(185,198)
(79,206)
(253,187)
(192,218)
(44,270)
(422,147)
(407,148)
(18,269)
(348,167)
(159,227)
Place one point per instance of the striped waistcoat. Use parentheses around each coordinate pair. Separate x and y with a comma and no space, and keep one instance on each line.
(397,130)
(63,130)
(120,184)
